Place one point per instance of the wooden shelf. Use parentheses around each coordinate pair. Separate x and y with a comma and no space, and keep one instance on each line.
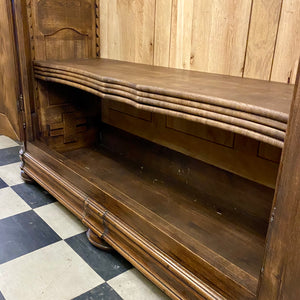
(190,222)
(254,108)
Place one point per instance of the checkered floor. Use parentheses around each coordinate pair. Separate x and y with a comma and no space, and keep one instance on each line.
(44,252)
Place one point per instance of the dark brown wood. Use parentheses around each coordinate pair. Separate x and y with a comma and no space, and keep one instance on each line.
(26,79)
(240,200)
(23,175)
(234,153)
(26,178)
(281,271)
(10,89)
(49,169)
(218,233)
(98,241)
(228,91)
(62,30)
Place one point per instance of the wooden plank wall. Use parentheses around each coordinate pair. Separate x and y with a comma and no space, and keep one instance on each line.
(246,38)
(251,38)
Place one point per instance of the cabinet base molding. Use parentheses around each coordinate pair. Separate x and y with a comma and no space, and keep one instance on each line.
(97,241)
(26,178)
(49,169)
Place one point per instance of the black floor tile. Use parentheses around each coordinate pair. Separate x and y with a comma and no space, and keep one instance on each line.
(24,233)
(1,296)
(107,265)
(9,155)
(33,194)
(2,184)
(101,292)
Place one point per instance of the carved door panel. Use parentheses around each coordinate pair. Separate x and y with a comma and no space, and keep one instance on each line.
(9,77)
(64,29)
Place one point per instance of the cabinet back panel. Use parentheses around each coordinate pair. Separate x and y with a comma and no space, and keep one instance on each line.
(256,39)
(228,195)
(232,152)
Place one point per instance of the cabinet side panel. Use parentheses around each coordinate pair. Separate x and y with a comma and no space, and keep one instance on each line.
(281,273)
(9,91)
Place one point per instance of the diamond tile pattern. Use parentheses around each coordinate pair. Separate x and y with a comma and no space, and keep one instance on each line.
(44,252)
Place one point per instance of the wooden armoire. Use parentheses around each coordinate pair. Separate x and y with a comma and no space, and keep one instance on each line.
(157,162)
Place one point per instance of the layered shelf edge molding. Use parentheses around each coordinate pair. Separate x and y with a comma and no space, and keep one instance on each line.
(253,108)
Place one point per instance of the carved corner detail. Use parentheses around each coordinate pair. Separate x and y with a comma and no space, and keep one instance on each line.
(24,176)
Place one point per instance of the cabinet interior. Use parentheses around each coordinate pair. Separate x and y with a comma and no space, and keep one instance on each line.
(204,213)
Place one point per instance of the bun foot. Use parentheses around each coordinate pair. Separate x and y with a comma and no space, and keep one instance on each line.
(97,241)
(26,178)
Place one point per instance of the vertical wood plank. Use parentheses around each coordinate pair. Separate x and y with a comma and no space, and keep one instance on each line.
(205,35)
(144,12)
(262,38)
(109,30)
(181,34)
(287,50)
(219,35)
(163,15)
(103,19)
(281,271)
(128,30)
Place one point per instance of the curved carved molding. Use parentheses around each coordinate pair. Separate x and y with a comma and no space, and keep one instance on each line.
(66,28)
(257,122)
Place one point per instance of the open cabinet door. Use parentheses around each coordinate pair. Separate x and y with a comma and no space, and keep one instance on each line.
(9,76)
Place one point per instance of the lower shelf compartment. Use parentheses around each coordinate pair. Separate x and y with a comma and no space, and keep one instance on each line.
(190,222)
(210,246)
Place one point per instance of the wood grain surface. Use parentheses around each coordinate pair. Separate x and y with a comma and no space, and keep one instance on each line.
(287,50)
(262,38)
(175,169)
(9,82)
(256,39)
(127,30)
(227,102)
(281,271)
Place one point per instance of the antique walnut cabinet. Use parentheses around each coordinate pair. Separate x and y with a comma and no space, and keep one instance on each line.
(156,162)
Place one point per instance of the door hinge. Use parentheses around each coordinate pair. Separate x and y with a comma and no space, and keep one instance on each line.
(20,102)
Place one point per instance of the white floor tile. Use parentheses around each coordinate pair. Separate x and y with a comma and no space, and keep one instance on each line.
(6,142)
(10,174)
(64,223)
(132,285)
(53,272)
(11,203)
